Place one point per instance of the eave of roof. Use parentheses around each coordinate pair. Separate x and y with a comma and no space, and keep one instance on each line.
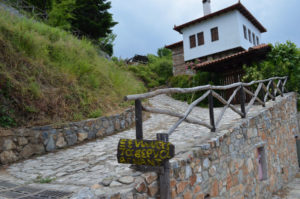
(253,50)
(237,6)
(171,46)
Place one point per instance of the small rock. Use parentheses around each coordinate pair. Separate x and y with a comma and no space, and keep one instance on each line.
(212,171)
(8,157)
(141,187)
(206,163)
(115,184)
(188,172)
(22,141)
(8,145)
(150,177)
(153,189)
(126,180)
(96,186)
(82,136)
(85,193)
(106,182)
(71,139)
(60,143)
(50,144)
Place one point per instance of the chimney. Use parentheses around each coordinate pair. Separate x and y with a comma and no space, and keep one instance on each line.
(206,7)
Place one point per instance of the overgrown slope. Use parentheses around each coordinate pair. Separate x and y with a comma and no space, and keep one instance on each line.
(49,76)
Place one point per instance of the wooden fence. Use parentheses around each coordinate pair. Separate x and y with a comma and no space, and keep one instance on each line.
(266,89)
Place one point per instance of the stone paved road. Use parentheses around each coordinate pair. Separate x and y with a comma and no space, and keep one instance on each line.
(95,162)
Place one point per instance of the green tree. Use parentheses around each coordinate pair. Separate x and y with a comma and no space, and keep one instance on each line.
(43,5)
(283,60)
(106,43)
(92,19)
(164,52)
(61,14)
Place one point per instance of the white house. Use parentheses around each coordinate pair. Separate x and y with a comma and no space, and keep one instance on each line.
(216,36)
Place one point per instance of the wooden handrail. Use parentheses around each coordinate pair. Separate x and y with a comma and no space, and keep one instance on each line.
(268,91)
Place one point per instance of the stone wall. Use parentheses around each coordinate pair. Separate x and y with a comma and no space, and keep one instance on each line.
(178,61)
(226,165)
(18,144)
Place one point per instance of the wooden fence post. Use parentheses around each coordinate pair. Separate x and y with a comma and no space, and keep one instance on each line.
(164,177)
(211,112)
(281,88)
(243,101)
(138,119)
(273,90)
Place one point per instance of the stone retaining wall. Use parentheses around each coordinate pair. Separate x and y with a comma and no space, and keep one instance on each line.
(18,144)
(226,165)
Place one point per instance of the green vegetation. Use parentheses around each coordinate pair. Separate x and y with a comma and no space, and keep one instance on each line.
(47,76)
(283,60)
(187,81)
(85,18)
(156,73)
(46,180)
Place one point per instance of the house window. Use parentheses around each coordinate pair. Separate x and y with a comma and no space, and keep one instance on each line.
(200,36)
(214,34)
(262,164)
(245,31)
(192,41)
(254,40)
(249,36)
(257,40)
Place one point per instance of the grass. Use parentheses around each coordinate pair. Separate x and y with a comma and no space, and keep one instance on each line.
(46,180)
(48,76)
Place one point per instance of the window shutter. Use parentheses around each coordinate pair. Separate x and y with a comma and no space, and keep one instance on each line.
(257,40)
(200,36)
(249,36)
(192,41)
(214,34)
(254,41)
(245,32)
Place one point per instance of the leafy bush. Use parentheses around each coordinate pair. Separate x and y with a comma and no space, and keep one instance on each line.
(157,72)
(187,81)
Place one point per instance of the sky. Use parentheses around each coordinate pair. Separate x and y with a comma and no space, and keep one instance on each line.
(146,25)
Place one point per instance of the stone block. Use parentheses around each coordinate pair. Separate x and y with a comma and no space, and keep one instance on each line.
(92,134)
(82,136)
(71,139)
(181,186)
(22,141)
(7,157)
(32,149)
(50,146)
(8,145)
(60,143)
(150,177)
(141,187)
(153,189)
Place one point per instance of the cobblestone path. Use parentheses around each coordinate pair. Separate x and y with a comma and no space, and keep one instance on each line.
(291,191)
(95,162)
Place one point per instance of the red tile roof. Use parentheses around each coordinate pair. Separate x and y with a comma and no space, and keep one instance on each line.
(237,6)
(251,50)
(171,46)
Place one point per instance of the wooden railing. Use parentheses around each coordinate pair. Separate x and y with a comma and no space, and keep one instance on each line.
(266,89)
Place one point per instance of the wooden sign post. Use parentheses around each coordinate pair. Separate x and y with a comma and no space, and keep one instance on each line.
(144,152)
